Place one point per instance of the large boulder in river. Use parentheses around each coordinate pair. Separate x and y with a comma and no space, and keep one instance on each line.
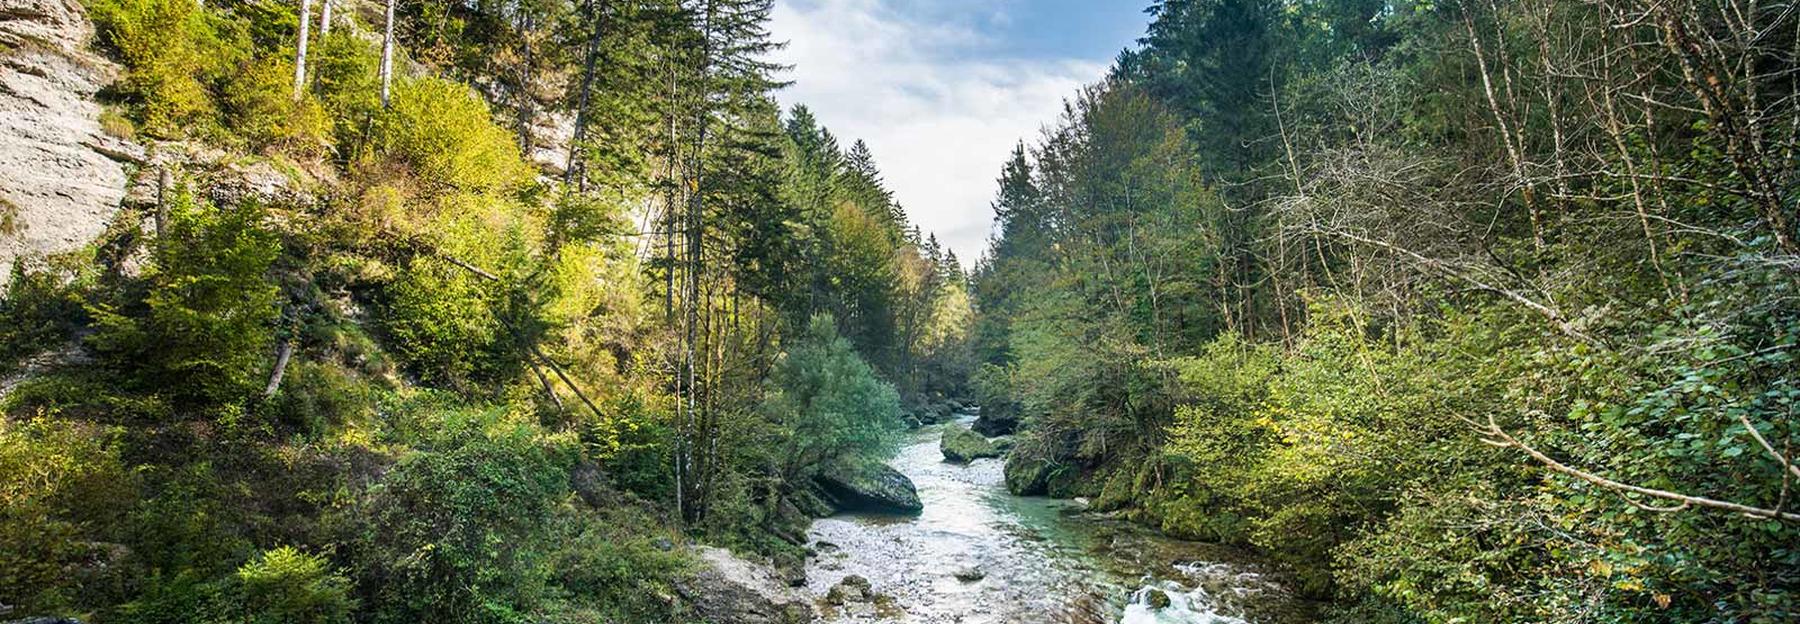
(729,590)
(961,445)
(996,422)
(869,486)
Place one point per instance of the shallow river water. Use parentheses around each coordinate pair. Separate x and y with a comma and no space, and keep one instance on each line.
(1042,560)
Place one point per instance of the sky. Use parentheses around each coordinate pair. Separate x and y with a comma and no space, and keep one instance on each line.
(942,90)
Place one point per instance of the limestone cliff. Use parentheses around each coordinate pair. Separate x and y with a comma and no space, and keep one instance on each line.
(63,177)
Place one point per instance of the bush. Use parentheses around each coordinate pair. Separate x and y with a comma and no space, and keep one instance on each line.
(263,110)
(286,586)
(455,532)
(827,404)
(608,559)
(172,51)
(444,132)
(447,326)
(61,486)
(39,309)
(202,332)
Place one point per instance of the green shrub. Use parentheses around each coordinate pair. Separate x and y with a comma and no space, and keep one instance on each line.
(826,404)
(202,331)
(61,486)
(608,558)
(184,597)
(39,310)
(263,110)
(172,51)
(445,134)
(455,532)
(445,324)
(287,586)
(319,397)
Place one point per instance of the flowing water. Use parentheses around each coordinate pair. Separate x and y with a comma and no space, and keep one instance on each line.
(1040,560)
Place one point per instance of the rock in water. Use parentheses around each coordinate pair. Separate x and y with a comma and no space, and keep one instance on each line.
(996,422)
(852,589)
(961,445)
(869,486)
(63,180)
(969,574)
(729,590)
(1156,598)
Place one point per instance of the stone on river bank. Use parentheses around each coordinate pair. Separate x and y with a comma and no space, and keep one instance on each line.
(850,590)
(1027,477)
(729,590)
(869,486)
(961,445)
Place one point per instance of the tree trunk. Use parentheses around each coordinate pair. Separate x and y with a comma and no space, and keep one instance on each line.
(300,49)
(325,21)
(282,355)
(596,17)
(387,54)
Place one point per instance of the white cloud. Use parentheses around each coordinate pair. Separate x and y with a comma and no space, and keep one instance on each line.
(940,118)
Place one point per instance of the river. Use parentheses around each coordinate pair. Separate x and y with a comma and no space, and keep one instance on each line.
(1041,560)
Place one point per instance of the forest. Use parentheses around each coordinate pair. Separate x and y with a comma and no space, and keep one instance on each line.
(448,372)
(1464,312)
(509,311)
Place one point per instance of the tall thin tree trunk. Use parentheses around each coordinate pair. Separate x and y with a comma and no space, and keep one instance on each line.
(526,103)
(596,17)
(325,21)
(300,49)
(1514,153)
(691,304)
(387,55)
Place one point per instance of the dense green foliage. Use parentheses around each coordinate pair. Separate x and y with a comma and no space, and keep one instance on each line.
(1457,313)
(438,374)
(1358,272)
(827,403)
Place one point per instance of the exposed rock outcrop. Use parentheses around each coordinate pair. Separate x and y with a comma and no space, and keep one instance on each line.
(222,177)
(961,445)
(63,175)
(729,590)
(869,486)
(996,422)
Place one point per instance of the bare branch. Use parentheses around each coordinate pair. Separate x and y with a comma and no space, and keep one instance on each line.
(1499,437)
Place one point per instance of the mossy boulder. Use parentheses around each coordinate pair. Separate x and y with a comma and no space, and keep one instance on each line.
(869,486)
(961,445)
(1026,476)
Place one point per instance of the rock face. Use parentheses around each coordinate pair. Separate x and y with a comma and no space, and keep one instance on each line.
(729,590)
(869,486)
(62,176)
(996,422)
(961,445)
